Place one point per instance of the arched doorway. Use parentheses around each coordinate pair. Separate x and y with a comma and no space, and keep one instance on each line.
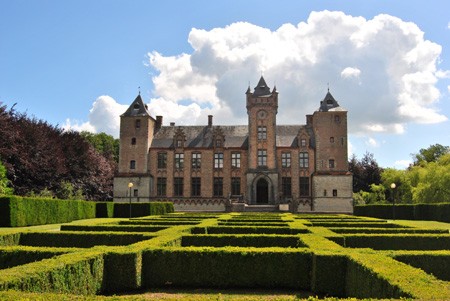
(262,191)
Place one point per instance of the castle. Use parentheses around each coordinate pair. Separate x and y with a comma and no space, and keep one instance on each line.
(301,168)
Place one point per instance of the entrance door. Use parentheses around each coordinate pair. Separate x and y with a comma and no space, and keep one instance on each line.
(262,191)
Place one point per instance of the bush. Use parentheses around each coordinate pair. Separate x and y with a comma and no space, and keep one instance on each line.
(256,241)
(397,242)
(226,268)
(435,212)
(112,228)
(122,271)
(26,211)
(104,209)
(436,263)
(328,270)
(246,230)
(12,257)
(142,209)
(79,239)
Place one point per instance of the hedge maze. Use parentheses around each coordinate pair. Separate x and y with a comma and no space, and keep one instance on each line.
(327,255)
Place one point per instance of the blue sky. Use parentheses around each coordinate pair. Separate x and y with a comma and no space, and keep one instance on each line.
(79,64)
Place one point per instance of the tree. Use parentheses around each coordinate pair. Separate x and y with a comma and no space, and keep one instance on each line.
(4,182)
(365,172)
(430,154)
(105,144)
(403,190)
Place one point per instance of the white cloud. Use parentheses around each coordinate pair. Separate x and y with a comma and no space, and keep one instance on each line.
(402,163)
(395,68)
(350,72)
(372,142)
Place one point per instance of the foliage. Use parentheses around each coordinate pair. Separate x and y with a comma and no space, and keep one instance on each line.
(365,172)
(105,144)
(430,154)
(4,182)
(42,157)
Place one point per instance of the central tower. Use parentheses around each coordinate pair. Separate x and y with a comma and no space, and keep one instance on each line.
(262,175)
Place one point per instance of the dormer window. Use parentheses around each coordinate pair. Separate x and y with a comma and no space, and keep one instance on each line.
(218,142)
(136,106)
(179,143)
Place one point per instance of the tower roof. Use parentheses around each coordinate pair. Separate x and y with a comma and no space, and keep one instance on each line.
(328,103)
(137,108)
(262,89)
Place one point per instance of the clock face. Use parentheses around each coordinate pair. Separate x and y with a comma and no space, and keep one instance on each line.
(262,114)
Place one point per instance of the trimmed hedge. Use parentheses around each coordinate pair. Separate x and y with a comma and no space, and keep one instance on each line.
(113,228)
(357,224)
(396,242)
(79,272)
(104,209)
(227,268)
(10,239)
(142,209)
(256,241)
(245,223)
(435,263)
(122,271)
(246,230)
(80,239)
(435,212)
(11,257)
(16,211)
(387,231)
(328,270)
(158,222)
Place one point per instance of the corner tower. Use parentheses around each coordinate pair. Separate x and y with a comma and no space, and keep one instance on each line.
(262,175)
(331,180)
(136,134)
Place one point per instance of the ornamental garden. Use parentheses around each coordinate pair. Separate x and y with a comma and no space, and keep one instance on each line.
(156,249)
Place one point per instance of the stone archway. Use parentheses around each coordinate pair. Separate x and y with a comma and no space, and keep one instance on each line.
(262,191)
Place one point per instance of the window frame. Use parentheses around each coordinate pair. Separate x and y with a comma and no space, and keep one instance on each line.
(286,186)
(303,160)
(286,160)
(162,160)
(235,160)
(218,186)
(178,186)
(196,186)
(218,160)
(304,187)
(161,186)
(179,160)
(262,157)
(196,160)
(262,132)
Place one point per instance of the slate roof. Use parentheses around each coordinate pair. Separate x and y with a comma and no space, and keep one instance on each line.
(236,136)
(261,89)
(137,108)
(329,104)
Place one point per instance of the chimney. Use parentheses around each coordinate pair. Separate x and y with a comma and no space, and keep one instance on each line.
(210,119)
(158,125)
(172,124)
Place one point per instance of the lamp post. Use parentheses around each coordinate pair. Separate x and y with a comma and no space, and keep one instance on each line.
(393,200)
(130,185)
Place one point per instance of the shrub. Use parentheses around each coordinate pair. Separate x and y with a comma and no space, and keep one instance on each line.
(112,228)
(226,268)
(397,242)
(328,270)
(142,209)
(122,271)
(12,257)
(104,209)
(435,263)
(246,230)
(26,211)
(256,241)
(435,212)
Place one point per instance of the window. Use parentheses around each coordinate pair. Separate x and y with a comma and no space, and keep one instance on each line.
(218,187)
(137,124)
(196,184)
(331,163)
(133,141)
(218,142)
(235,186)
(132,164)
(218,160)
(262,133)
(285,160)
(303,160)
(303,142)
(286,186)
(178,186)
(196,160)
(331,139)
(304,186)
(179,143)
(262,157)
(324,192)
(337,118)
(236,160)
(179,161)
(162,160)
(161,184)
(136,193)
(334,192)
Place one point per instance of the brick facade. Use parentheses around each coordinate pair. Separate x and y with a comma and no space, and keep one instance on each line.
(200,167)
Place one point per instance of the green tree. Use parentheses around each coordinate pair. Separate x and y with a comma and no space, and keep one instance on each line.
(430,154)
(433,181)
(105,144)
(403,189)
(4,182)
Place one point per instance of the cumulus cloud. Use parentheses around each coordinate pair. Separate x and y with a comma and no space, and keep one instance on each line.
(381,70)
(402,163)
(372,142)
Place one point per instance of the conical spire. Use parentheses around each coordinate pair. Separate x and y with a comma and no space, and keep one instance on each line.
(328,102)
(137,108)
(261,89)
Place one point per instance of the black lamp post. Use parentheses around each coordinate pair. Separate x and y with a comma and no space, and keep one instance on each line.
(130,185)
(393,186)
